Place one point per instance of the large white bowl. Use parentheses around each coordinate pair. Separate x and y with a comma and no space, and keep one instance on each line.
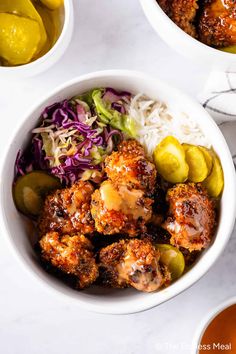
(17,231)
(183,43)
(52,56)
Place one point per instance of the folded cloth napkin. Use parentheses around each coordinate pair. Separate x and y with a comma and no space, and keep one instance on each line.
(219,99)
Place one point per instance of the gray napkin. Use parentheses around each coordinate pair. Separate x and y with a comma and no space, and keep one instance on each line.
(219,99)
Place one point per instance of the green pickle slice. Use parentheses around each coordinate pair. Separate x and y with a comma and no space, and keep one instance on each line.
(173,259)
(30,190)
(215,181)
(208,157)
(17,45)
(26,9)
(230,49)
(169,158)
(52,4)
(198,170)
(51,21)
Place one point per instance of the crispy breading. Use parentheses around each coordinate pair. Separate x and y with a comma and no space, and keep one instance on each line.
(182,12)
(165,5)
(132,263)
(68,210)
(120,210)
(129,166)
(122,204)
(191,216)
(72,255)
(217,23)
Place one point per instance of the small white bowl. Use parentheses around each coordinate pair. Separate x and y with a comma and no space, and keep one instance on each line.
(52,56)
(184,44)
(207,320)
(17,232)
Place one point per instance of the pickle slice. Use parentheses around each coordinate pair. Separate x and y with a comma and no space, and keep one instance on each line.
(173,259)
(53,4)
(208,157)
(215,181)
(52,24)
(169,158)
(29,191)
(230,49)
(25,8)
(17,44)
(198,170)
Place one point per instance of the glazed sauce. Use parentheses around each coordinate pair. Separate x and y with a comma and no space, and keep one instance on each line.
(123,200)
(220,335)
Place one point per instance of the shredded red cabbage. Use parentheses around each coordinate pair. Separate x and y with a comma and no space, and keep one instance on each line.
(71,139)
(118,100)
(112,95)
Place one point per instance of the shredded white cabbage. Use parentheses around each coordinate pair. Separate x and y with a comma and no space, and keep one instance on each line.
(154,122)
(57,143)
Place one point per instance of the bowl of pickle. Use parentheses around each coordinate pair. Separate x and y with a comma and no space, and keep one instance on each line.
(34,34)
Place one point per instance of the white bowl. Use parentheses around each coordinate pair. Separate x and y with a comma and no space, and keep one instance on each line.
(52,56)
(207,320)
(17,232)
(183,43)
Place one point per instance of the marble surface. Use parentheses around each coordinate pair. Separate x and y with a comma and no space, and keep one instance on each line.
(108,34)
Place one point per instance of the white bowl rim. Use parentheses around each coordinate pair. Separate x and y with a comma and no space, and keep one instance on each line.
(177,287)
(193,41)
(68,6)
(208,319)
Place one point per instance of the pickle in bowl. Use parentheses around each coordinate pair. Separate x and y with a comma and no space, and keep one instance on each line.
(28,29)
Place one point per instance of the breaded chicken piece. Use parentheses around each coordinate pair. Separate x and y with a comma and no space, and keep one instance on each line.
(68,210)
(129,167)
(156,235)
(122,203)
(132,263)
(182,13)
(191,217)
(120,210)
(72,255)
(217,24)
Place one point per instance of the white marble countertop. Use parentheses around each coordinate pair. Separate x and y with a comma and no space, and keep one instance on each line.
(108,34)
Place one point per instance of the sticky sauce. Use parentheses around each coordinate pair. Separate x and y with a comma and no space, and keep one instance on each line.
(110,196)
(124,200)
(132,270)
(220,335)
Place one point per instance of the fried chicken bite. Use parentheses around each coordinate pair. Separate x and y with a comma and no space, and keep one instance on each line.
(217,23)
(159,207)
(156,235)
(120,210)
(129,167)
(122,203)
(72,255)
(132,263)
(67,210)
(182,13)
(191,216)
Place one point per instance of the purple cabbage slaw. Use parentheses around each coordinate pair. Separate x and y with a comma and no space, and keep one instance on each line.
(117,99)
(87,141)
